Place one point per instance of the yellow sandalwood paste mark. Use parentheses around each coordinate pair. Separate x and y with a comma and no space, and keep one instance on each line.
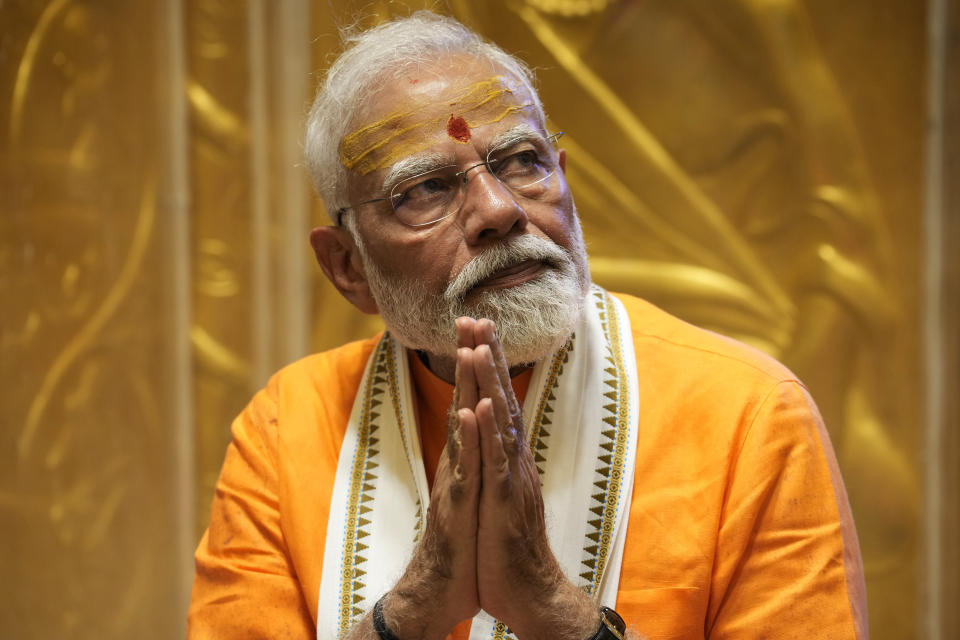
(458,129)
(383,142)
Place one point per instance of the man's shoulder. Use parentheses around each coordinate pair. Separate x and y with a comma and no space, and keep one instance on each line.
(673,344)
(329,376)
(707,391)
(344,359)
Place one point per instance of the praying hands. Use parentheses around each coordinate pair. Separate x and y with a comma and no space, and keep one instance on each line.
(485,543)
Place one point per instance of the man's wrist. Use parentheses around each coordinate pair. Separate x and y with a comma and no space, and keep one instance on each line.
(419,605)
(380,624)
(566,613)
(408,615)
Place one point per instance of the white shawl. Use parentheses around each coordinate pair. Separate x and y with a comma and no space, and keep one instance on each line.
(581,420)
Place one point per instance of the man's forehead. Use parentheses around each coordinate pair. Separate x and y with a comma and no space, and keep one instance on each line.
(415,120)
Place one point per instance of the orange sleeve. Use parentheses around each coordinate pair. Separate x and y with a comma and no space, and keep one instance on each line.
(245,585)
(788,563)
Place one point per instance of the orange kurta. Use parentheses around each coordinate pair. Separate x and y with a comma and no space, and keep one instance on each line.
(739,525)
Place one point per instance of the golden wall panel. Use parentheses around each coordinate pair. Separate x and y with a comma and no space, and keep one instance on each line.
(221,332)
(88,540)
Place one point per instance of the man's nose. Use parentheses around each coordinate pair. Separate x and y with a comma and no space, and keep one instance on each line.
(489,210)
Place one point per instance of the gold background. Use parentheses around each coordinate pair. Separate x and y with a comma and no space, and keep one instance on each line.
(755,167)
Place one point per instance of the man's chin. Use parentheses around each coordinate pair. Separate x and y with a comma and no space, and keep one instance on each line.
(534,318)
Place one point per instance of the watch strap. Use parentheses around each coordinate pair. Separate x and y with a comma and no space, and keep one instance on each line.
(612,626)
(379,624)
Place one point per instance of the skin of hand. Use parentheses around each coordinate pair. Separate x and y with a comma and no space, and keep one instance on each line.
(519,580)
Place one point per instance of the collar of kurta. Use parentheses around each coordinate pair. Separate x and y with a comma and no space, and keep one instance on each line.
(580,416)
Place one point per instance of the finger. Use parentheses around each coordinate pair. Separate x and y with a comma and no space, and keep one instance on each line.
(483,329)
(465,392)
(488,384)
(465,326)
(464,397)
(486,333)
(467,459)
(495,464)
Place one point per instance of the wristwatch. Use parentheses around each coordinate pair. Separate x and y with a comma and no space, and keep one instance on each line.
(612,626)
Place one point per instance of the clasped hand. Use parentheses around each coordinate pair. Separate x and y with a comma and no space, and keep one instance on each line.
(484,544)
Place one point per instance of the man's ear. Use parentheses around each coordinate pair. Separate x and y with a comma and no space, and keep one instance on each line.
(562,160)
(338,256)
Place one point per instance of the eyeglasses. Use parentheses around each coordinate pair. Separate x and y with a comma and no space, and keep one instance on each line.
(524,168)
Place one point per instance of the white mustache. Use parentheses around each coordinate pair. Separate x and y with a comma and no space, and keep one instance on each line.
(503,255)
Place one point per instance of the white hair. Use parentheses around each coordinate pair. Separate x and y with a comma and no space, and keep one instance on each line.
(533,319)
(356,74)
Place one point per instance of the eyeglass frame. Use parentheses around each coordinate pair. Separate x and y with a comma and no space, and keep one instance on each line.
(552,139)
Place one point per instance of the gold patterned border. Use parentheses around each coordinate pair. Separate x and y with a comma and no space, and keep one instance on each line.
(361,489)
(537,431)
(612,330)
(394,387)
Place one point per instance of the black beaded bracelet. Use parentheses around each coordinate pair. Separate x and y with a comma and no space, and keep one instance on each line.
(379,624)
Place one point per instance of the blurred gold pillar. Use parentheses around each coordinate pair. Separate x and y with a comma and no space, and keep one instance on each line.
(942,565)
(97,436)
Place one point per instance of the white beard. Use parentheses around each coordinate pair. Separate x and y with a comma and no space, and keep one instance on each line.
(533,319)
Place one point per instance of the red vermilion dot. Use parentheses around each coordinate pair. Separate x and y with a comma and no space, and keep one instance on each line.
(458,129)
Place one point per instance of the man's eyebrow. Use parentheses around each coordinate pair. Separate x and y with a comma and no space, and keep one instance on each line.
(413,166)
(521,133)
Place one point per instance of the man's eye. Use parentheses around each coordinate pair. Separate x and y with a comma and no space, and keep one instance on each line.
(421,190)
(521,163)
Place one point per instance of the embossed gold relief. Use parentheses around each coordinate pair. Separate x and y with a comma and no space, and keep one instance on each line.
(85,497)
(568,8)
(249,249)
(221,332)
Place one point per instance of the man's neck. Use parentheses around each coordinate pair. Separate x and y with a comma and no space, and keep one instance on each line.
(445,368)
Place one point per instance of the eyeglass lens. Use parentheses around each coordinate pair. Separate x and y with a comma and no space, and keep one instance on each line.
(525,169)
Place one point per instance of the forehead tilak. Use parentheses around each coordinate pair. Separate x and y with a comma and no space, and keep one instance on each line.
(405,132)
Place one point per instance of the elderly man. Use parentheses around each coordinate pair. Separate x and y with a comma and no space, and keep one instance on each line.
(522,454)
